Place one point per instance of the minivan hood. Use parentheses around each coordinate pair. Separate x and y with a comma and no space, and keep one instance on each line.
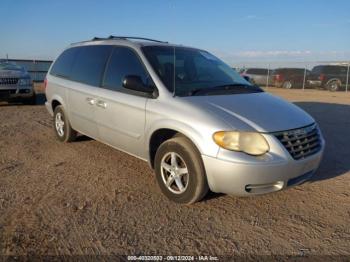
(260,112)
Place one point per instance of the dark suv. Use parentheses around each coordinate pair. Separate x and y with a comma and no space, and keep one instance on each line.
(331,77)
(289,77)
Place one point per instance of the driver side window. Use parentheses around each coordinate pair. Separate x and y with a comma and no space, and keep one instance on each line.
(123,62)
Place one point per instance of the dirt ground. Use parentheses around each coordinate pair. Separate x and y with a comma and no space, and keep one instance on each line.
(87,198)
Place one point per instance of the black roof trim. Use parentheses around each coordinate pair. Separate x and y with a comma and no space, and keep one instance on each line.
(111,37)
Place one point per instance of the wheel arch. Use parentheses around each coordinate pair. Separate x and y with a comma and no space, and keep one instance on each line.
(157,135)
(334,79)
(55,101)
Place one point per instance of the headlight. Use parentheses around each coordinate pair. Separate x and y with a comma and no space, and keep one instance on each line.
(247,142)
(24,81)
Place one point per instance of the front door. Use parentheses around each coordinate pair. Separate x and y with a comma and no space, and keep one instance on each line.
(120,113)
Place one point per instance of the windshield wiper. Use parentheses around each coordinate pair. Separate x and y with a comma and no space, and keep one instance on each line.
(236,87)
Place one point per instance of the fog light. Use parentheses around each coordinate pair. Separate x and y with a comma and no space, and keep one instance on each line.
(264,188)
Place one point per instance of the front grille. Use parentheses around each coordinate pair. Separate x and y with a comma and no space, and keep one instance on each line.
(301,142)
(8,81)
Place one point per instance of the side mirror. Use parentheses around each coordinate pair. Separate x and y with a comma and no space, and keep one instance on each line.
(134,82)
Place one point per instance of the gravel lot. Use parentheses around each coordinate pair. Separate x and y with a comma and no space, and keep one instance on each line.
(87,198)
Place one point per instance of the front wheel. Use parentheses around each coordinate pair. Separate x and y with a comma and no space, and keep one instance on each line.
(180,171)
(63,129)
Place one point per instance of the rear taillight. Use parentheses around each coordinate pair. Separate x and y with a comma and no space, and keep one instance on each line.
(321,77)
(45,83)
(278,77)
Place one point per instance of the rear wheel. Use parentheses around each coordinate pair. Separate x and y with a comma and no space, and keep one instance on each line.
(287,84)
(63,129)
(333,85)
(180,172)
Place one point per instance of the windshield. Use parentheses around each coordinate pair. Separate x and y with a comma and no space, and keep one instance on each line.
(196,72)
(10,66)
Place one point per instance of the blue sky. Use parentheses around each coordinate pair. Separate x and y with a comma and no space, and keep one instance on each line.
(249,30)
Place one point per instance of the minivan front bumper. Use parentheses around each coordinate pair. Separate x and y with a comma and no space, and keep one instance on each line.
(246,179)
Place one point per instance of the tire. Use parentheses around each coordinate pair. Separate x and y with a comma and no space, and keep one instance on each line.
(31,100)
(187,158)
(333,85)
(287,84)
(63,129)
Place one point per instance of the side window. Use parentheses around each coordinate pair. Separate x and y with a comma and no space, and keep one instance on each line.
(257,71)
(63,64)
(90,64)
(123,62)
(344,70)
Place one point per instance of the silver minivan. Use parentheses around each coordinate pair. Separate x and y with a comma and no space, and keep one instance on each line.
(194,119)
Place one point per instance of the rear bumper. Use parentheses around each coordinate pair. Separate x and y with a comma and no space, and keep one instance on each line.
(246,179)
(16,92)
(49,108)
(314,83)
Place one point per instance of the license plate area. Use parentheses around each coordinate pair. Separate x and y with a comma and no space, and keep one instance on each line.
(6,93)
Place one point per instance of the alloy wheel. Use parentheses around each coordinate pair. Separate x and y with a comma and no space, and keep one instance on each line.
(174,173)
(59,124)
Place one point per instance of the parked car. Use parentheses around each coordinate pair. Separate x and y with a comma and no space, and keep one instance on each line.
(196,121)
(289,77)
(258,76)
(15,84)
(331,77)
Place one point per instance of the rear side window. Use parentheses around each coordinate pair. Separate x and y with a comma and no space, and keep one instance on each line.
(257,71)
(317,69)
(90,64)
(290,71)
(329,69)
(336,70)
(63,64)
(123,62)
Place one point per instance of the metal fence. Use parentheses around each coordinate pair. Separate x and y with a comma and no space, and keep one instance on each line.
(36,68)
(325,75)
(331,75)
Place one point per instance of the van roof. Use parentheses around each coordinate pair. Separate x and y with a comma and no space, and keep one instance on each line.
(133,40)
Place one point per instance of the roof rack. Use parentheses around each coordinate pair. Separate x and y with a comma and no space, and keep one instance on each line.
(126,38)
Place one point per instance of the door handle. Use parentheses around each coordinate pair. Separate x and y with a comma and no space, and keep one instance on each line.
(90,100)
(101,103)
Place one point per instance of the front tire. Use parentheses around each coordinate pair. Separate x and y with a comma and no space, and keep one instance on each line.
(180,171)
(63,129)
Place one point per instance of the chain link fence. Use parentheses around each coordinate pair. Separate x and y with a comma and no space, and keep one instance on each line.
(326,75)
